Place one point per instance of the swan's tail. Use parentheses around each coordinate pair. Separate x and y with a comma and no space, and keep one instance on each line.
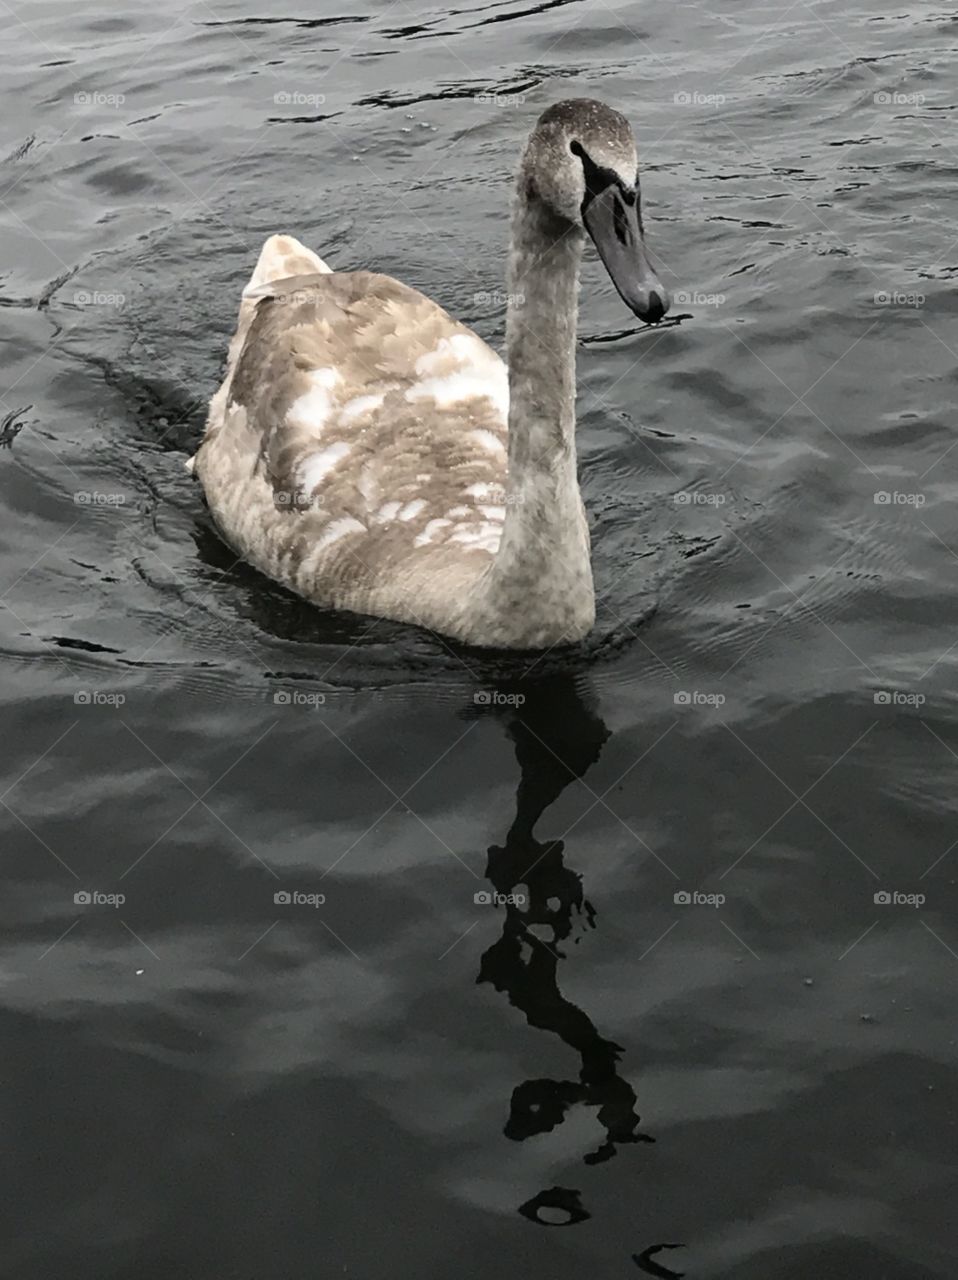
(284,256)
(281,256)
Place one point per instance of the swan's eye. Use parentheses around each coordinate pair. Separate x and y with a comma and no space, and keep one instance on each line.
(576,148)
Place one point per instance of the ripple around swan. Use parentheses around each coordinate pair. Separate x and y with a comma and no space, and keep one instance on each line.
(766,709)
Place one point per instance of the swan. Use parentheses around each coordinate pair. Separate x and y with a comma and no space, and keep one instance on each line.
(372,453)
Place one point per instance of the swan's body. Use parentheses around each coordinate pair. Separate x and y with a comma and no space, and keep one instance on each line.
(372,453)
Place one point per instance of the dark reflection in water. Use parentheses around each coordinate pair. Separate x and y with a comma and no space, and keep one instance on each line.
(646,1262)
(558,736)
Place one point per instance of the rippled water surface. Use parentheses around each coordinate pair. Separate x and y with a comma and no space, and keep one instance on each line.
(724,1018)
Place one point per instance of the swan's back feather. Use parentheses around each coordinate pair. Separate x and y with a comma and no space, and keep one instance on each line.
(361,366)
(375,427)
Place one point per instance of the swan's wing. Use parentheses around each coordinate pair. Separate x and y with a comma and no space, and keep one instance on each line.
(370,404)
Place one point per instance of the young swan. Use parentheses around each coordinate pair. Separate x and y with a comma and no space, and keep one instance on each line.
(371,453)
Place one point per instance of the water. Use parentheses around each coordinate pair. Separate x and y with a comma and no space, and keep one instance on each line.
(199,1080)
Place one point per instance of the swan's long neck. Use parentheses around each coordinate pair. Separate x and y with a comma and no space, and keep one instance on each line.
(543,283)
(542,571)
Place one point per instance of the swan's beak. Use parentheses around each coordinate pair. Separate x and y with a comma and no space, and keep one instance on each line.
(616,233)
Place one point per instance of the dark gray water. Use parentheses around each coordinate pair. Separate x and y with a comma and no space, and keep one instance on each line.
(201,1081)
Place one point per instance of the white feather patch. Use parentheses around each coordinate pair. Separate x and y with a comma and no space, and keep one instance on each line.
(369,485)
(317,466)
(431,531)
(489,440)
(338,529)
(481,490)
(388,511)
(412,509)
(360,405)
(312,410)
(485,536)
(479,372)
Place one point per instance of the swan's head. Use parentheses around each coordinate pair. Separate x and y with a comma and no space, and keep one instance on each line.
(581,162)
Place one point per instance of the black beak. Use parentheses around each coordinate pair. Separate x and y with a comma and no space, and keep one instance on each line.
(612,220)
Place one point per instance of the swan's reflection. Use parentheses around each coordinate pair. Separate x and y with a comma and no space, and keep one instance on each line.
(557,737)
